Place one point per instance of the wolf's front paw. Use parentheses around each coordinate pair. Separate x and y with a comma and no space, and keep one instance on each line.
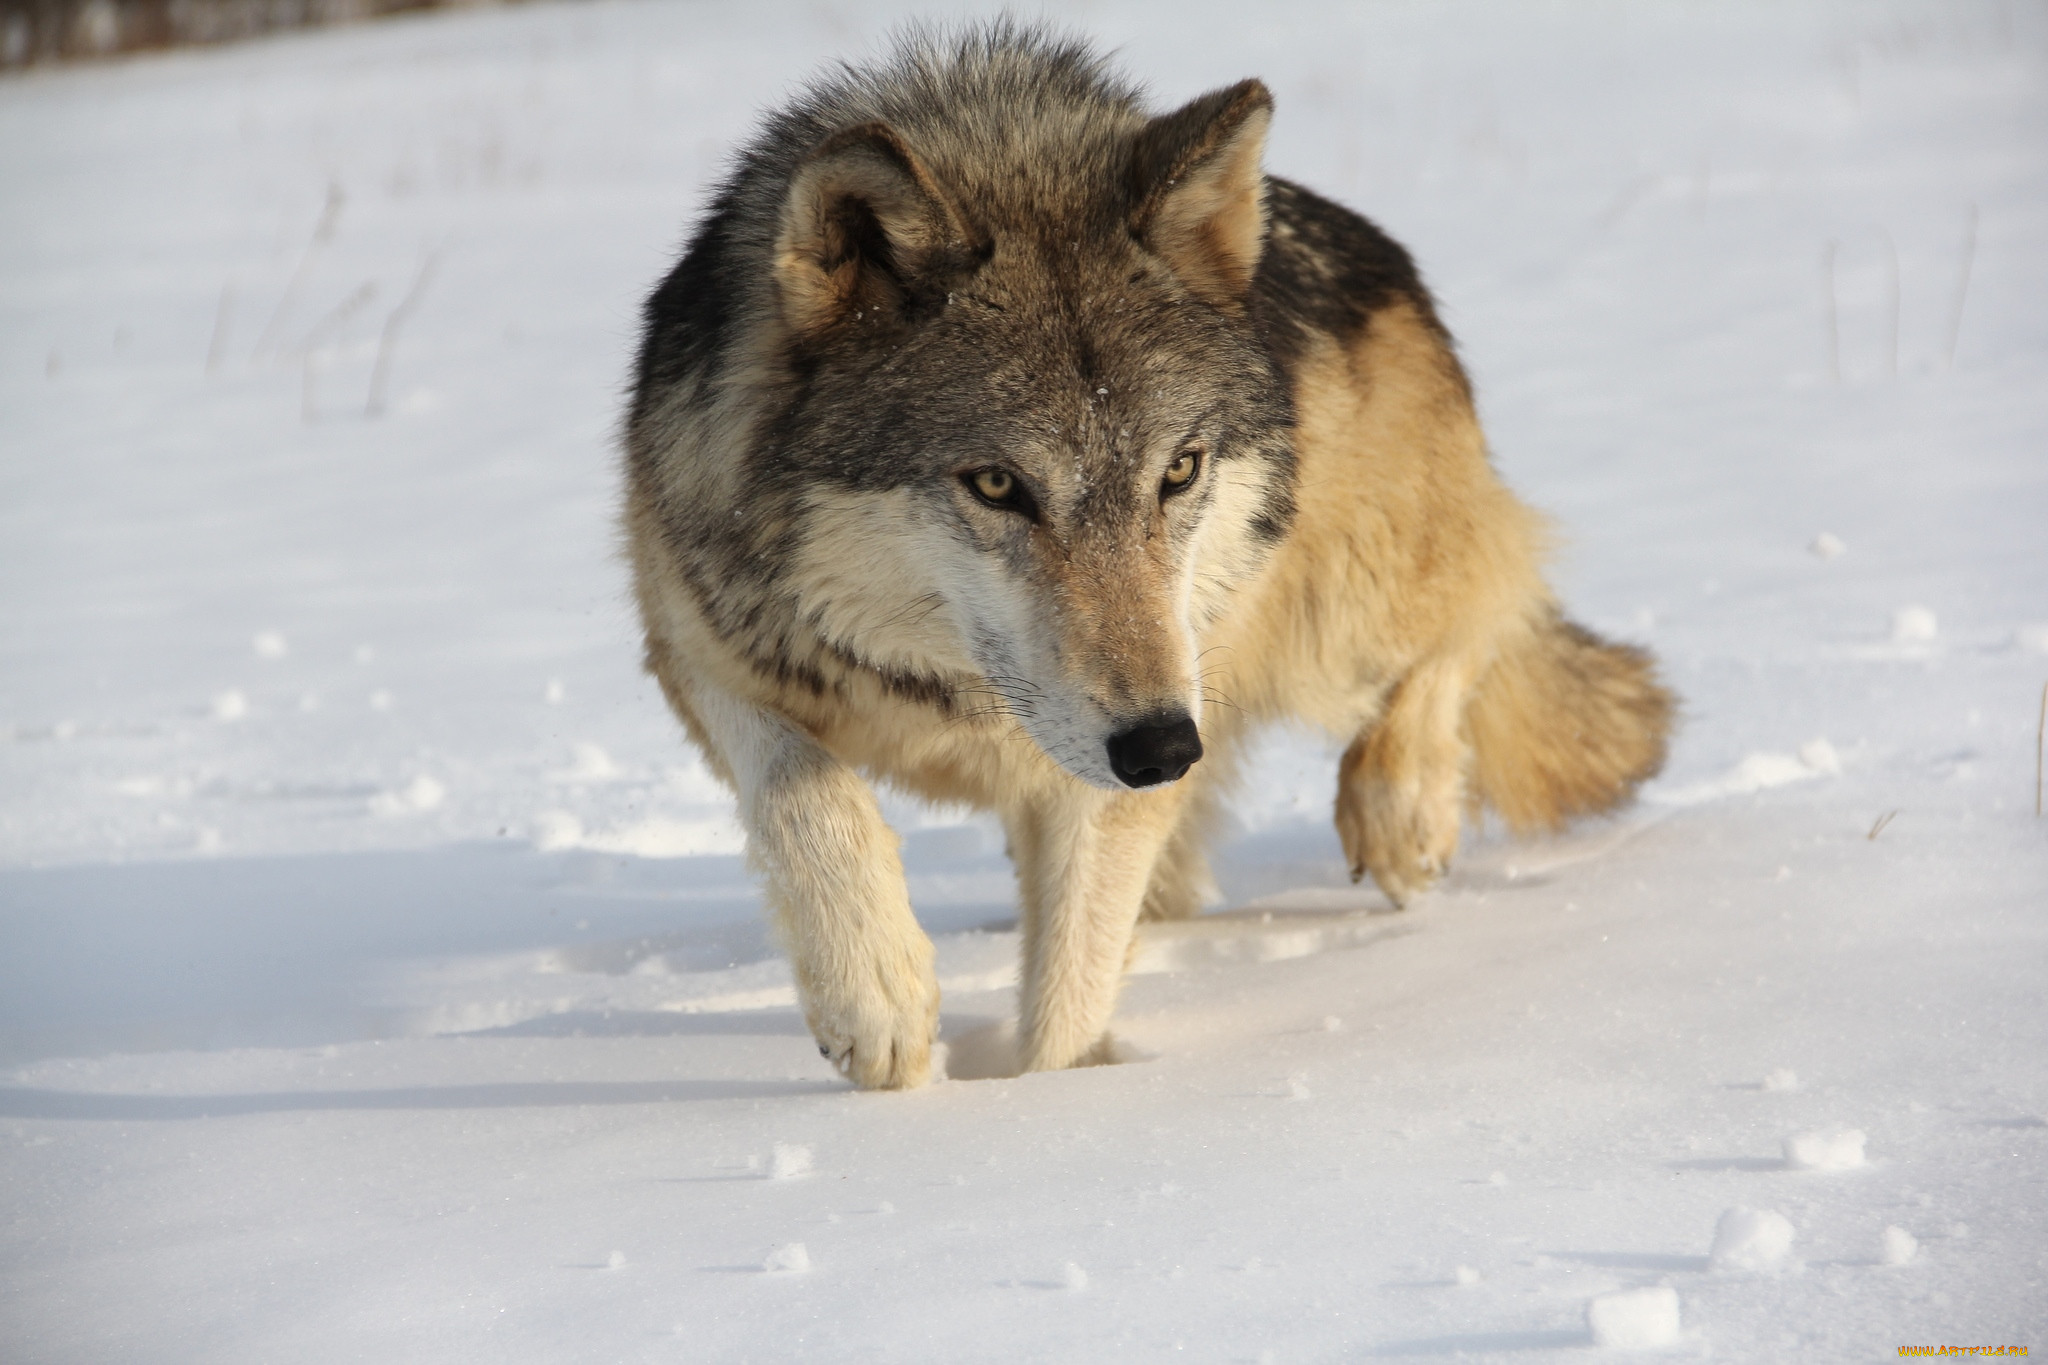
(875,1021)
(1406,842)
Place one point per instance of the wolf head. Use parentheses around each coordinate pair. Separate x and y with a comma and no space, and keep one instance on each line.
(1011,408)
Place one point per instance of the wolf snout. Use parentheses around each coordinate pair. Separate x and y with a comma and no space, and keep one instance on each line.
(1157,749)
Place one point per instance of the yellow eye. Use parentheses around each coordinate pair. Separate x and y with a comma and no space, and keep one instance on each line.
(1182,471)
(997,485)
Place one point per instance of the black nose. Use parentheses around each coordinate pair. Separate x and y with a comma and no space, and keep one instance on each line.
(1158,749)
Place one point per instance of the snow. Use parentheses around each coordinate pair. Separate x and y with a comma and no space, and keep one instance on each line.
(1900,1246)
(1633,1319)
(789,1161)
(1833,1149)
(1819,756)
(1755,773)
(373,1014)
(421,794)
(788,1260)
(1914,625)
(1751,1239)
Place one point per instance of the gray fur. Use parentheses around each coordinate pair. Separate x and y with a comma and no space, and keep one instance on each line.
(1001,350)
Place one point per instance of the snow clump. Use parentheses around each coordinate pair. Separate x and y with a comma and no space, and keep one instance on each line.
(1914,626)
(1635,1318)
(1829,1149)
(422,793)
(1782,1081)
(788,1260)
(556,830)
(1759,772)
(1827,545)
(268,644)
(1073,1278)
(1900,1246)
(230,705)
(1820,756)
(1751,1239)
(789,1161)
(1466,1276)
(590,763)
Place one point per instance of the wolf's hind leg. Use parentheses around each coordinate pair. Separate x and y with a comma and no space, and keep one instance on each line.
(835,891)
(1181,882)
(1083,860)
(1401,784)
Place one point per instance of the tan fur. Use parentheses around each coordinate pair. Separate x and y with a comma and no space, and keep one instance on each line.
(1408,572)
(1400,609)
(1561,723)
(1405,610)
(1209,218)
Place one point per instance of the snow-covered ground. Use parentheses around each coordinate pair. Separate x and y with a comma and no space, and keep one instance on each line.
(378,976)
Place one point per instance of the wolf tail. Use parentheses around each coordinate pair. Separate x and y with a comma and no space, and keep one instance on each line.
(1565,724)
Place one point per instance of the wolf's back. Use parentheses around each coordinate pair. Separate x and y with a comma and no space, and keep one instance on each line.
(1565,724)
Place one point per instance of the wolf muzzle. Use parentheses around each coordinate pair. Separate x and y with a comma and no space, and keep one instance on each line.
(1160,748)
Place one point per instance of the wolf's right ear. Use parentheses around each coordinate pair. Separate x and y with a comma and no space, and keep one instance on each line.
(1201,192)
(864,223)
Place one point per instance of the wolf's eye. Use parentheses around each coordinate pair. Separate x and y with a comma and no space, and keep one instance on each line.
(1181,472)
(1000,488)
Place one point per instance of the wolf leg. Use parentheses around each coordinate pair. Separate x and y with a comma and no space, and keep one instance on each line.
(835,891)
(1181,881)
(1401,784)
(1083,861)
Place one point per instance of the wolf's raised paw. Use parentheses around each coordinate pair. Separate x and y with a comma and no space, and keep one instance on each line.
(1406,844)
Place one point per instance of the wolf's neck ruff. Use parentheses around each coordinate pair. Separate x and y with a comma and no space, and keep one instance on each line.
(1003,441)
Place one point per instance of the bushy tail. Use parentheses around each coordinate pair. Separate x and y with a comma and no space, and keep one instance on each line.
(1564,725)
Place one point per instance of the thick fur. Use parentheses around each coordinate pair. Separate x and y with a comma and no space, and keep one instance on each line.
(908,500)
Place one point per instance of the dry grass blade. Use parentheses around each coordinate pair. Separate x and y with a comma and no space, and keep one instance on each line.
(387,341)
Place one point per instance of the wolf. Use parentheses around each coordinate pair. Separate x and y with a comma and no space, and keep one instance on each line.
(1002,441)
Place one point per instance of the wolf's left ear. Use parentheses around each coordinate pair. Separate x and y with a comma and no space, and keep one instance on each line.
(865,228)
(1201,193)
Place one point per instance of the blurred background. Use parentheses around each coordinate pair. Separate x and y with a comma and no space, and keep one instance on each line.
(36,31)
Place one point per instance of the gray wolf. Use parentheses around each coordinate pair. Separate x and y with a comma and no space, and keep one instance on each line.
(1002,441)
